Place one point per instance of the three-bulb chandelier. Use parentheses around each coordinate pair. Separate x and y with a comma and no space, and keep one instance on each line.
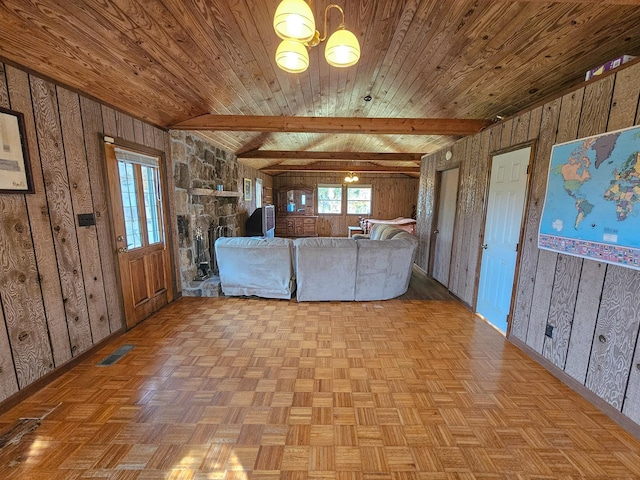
(352,177)
(295,25)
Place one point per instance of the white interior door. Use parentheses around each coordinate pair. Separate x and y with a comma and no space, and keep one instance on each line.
(505,209)
(443,234)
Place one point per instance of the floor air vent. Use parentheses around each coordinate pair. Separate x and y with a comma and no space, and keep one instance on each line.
(115,356)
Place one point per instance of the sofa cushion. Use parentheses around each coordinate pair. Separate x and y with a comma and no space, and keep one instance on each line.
(377,229)
(325,268)
(256,266)
(391,232)
(384,267)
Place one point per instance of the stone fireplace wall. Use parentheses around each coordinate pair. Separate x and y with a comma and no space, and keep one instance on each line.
(198,167)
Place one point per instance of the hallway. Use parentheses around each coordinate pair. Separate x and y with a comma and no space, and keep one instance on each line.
(246,388)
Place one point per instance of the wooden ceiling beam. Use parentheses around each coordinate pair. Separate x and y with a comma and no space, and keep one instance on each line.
(319,168)
(343,156)
(395,126)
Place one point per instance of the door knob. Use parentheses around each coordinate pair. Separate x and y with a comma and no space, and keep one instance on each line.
(484,246)
(123,250)
(120,238)
(436,232)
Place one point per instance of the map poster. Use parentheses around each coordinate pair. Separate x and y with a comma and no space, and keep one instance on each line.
(592,206)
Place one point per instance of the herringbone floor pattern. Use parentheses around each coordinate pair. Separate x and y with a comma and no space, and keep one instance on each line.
(248,389)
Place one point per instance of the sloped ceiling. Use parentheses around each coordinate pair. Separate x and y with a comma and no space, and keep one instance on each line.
(198,63)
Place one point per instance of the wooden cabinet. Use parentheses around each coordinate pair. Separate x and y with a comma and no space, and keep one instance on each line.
(295,212)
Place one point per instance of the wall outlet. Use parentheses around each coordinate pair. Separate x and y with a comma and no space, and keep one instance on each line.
(548,332)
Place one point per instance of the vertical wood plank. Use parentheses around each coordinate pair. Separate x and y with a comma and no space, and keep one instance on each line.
(561,308)
(615,336)
(82,201)
(568,125)
(425,209)
(93,127)
(162,143)
(624,104)
(8,379)
(549,118)
(457,262)
(584,320)
(149,135)
(610,361)
(138,131)
(470,183)
(631,405)
(29,355)
(61,211)
(506,138)
(521,128)
(593,119)
(471,231)
(19,87)
(20,293)
(4,92)
(160,139)
(596,105)
(109,121)
(124,125)
(535,123)
(624,108)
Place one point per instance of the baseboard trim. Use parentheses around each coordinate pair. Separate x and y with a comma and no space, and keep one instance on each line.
(21,395)
(602,405)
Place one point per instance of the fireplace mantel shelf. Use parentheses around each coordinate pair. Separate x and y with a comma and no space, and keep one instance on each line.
(213,193)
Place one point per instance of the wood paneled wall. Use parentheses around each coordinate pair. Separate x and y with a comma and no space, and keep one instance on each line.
(594,307)
(58,281)
(393,196)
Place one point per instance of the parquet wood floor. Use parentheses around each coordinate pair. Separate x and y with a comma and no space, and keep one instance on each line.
(253,389)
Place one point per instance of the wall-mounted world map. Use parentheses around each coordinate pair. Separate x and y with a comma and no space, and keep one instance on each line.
(592,206)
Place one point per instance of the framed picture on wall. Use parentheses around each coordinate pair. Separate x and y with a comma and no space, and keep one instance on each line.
(15,171)
(247,189)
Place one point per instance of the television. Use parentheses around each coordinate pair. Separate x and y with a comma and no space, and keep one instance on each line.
(262,222)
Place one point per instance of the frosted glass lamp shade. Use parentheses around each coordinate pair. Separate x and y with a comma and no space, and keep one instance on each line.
(343,49)
(352,177)
(294,20)
(292,56)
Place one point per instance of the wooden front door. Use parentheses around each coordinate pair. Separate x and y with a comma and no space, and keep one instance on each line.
(139,225)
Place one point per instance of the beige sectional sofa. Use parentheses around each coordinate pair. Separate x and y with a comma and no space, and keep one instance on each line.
(376,267)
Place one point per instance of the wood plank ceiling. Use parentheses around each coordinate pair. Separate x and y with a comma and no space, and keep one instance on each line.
(171,61)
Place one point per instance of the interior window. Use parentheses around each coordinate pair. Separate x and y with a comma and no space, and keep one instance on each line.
(359,200)
(329,199)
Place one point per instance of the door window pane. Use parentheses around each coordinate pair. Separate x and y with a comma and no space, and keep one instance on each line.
(130,204)
(150,185)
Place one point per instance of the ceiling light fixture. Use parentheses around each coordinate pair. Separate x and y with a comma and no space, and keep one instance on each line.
(295,25)
(352,177)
